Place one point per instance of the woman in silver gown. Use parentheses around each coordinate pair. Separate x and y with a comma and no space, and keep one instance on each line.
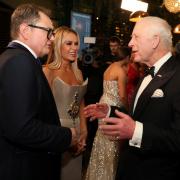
(105,152)
(68,89)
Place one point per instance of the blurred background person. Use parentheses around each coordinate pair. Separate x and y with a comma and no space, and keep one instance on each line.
(68,88)
(114,52)
(105,152)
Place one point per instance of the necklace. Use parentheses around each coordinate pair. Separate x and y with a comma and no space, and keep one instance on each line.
(74,108)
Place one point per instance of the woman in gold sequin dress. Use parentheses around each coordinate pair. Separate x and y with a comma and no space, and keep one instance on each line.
(105,152)
(68,88)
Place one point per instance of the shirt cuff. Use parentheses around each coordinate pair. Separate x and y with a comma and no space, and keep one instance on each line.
(137,136)
(109,111)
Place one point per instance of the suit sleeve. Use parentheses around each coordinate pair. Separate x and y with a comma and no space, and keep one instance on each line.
(121,109)
(19,105)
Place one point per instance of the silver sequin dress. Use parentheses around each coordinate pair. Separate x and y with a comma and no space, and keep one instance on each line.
(104,155)
(68,98)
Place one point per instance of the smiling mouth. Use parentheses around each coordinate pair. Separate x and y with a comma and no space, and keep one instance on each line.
(72,54)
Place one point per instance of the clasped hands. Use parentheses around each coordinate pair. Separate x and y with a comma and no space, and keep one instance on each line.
(120,127)
(78,142)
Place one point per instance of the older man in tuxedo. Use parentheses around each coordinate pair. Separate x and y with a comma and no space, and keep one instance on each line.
(152,129)
(31,137)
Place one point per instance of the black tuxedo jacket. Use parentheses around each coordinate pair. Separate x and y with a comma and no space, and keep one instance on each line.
(158,157)
(31,138)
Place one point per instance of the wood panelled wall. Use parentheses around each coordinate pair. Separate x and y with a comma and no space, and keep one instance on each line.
(5,15)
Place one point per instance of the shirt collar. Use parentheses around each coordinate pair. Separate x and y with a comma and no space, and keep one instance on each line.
(26,46)
(161,61)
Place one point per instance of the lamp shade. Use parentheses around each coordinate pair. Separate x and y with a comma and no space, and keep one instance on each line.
(172,5)
(136,16)
(177,29)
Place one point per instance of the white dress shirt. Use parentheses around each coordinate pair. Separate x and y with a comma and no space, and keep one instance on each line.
(138,132)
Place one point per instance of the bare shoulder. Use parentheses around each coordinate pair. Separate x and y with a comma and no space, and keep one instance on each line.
(45,69)
(117,66)
(113,71)
(113,66)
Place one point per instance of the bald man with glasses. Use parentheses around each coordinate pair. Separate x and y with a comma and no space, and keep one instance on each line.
(31,137)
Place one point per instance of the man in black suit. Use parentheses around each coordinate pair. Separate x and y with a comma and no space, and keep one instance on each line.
(152,129)
(31,138)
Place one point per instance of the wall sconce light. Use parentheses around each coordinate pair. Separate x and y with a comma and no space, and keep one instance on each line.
(177,29)
(136,16)
(172,6)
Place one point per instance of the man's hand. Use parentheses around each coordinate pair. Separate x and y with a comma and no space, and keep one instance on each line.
(118,128)
(95,111)
(74,139)
(78,142)
(82,141)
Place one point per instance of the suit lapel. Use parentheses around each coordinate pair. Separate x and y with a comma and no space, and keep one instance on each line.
(161,78)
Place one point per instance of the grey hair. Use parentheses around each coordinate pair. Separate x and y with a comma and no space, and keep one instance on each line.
(25,13)
(159,26)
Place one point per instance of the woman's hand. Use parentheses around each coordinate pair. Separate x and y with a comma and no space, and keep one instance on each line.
(96,111)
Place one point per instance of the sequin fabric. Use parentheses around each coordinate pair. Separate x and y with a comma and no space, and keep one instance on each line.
(105,153)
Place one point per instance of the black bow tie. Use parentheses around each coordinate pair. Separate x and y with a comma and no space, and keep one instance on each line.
(149,71)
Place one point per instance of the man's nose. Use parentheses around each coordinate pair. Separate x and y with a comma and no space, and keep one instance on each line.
(130,44)
(52,37)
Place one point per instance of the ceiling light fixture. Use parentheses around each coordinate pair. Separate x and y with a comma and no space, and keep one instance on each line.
(172,5)
(177,29)
(134,5)
(136,16)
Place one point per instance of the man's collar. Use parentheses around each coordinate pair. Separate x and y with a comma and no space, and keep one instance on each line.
(27,47)
(161,61)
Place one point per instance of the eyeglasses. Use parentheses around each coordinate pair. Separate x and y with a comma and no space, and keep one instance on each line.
(50,32)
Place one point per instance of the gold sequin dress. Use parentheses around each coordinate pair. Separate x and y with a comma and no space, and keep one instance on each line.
(68,98)
(104,155)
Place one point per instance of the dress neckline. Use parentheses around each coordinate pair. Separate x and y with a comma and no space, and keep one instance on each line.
(65,83)
(110,80)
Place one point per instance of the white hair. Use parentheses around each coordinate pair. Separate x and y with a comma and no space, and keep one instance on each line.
(159,26)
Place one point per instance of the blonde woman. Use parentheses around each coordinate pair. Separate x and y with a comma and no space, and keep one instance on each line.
(68,87)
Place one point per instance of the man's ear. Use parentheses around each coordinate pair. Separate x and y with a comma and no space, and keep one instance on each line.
(24,31)
(156,41)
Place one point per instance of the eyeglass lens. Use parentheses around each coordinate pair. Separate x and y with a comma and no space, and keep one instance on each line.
(50,32)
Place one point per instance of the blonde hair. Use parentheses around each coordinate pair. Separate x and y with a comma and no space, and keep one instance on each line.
(55,55)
